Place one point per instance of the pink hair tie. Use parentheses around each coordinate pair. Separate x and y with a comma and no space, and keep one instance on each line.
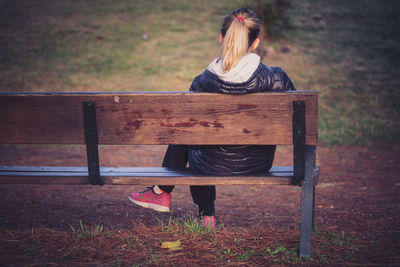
(240,18)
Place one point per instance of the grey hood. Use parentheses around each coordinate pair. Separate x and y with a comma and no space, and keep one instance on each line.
(242,72)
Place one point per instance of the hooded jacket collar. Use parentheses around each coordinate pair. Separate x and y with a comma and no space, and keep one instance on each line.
(242,72)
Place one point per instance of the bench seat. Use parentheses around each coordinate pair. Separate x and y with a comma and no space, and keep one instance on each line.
(278,175)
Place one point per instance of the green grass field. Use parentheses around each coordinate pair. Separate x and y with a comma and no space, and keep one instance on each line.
(347,50)
(355,48)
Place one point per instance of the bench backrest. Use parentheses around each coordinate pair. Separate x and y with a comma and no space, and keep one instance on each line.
(156,118)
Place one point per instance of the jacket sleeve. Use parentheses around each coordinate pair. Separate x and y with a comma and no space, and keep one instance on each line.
(195,86)
(282,81)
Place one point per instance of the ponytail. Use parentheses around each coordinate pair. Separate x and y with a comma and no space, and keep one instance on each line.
(234,45)
(239,30)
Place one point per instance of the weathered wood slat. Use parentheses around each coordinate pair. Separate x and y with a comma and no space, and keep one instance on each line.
(84,169)
(146,180)
(274,169)
(282,175)
(131,174)
(156,118)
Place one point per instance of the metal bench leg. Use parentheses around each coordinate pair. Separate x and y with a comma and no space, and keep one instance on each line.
(89,116)
(307,203)
(313,207)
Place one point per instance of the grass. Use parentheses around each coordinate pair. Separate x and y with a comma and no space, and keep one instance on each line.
(187,225)
(349,54)
(141,246)
(86,232)
(357,53)
(82,46)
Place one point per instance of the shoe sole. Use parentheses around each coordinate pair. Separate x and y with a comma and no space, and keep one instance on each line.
(148,205)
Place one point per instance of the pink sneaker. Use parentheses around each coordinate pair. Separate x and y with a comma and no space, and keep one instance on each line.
(208,222)
(149,199)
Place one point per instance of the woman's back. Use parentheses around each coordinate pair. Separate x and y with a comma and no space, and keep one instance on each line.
(248,76)
(236,71)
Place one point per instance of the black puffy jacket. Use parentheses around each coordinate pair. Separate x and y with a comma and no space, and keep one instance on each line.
(234,159)
(265,78)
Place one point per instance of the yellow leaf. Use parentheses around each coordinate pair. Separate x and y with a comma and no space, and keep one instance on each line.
(175,245)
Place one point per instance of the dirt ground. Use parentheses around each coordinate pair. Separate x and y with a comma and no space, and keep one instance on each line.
(358,193)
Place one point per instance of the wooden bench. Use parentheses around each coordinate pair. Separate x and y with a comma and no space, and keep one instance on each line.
(158,118)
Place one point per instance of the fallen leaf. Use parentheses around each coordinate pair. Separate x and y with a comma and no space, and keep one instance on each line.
(172,246)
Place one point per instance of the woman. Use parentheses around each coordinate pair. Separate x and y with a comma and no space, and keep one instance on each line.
(236,71)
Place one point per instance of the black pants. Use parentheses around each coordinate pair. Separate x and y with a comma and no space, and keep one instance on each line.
(203,196)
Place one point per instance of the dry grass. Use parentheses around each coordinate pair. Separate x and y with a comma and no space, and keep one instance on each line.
(141,246)
(356,217)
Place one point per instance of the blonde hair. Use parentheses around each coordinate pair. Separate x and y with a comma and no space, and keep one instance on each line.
(239,30)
